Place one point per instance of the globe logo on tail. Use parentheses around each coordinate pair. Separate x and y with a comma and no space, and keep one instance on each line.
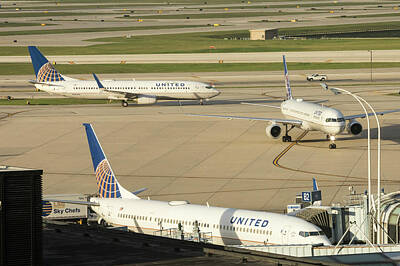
(47,208)
(106,182)
(48,73)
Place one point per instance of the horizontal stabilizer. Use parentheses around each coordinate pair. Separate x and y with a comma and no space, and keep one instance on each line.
(139,191)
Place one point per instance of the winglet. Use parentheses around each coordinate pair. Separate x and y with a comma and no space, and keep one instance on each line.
(98,81)
(287,82)
(315,186)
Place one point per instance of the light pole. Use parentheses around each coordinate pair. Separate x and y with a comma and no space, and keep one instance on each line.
(358,98)
(378,214)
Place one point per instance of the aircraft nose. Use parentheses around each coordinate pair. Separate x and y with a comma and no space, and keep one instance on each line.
(216,92)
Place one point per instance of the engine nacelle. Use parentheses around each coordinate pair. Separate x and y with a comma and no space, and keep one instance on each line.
(354,127)
(273,131)
(146,100)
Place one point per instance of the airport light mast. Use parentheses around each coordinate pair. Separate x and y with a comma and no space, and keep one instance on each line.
(337,91)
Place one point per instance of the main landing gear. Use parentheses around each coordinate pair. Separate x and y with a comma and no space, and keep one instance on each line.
(332,145)
(124,104)
(201,101)
(286,137)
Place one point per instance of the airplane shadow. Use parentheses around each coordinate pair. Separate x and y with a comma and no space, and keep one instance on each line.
(228,236)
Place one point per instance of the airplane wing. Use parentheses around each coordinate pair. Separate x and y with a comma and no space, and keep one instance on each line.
(369,114)
(259,104)
(276,120)
(74,202)
(126,94)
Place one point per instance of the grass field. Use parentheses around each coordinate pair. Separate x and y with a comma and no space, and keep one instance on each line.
(201,42)
(49,14)
(374,15)
(27,69)
(186,2)
(51,101)
(325,4)
(15,24)
(226,14)
(58,31)
(341,28)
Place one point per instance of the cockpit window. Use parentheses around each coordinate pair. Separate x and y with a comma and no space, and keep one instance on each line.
(209,87)
(339,119)
(313,233)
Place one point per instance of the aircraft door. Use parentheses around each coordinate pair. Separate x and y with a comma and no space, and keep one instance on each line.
(285,234)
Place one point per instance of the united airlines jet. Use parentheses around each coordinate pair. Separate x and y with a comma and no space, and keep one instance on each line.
(307,116)
(117,206)
(48,79)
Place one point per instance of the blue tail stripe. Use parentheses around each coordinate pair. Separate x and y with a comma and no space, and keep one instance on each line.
(94,145)
(44,70)
(38,60)
(287,82)
(106,182)
(315,186)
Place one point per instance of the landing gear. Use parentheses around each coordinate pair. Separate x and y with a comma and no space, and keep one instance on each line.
(124,104)
(286,137)
(332,145)
(201,102)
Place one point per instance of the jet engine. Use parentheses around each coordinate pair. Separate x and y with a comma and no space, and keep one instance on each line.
(146,100)
(354,127)
(273,131)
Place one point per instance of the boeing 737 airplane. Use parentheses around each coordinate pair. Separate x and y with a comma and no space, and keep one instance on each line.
(117,206)
(307,116)
(48,79)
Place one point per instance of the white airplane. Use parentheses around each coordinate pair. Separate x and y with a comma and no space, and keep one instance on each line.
(143,92)
(307,116)
(117,206)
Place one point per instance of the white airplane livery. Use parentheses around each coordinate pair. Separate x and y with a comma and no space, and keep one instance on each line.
(143,92)
(307,116)
(117,206)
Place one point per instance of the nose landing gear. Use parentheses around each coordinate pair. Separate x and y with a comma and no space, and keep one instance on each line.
(332,145)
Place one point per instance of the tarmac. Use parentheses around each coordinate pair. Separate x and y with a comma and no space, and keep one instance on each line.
(205,160)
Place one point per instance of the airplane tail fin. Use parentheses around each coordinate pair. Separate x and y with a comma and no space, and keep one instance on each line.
(44,70)
(315,188)
(315,185)
(287,82)
(107,183)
